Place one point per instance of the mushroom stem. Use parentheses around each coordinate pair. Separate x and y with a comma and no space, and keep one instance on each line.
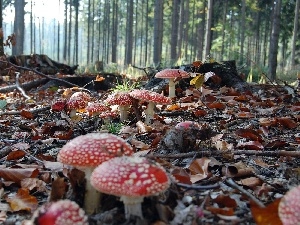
(132,206)
(149,112)
(123,112)
(92,196)
(72,113)
(172,88)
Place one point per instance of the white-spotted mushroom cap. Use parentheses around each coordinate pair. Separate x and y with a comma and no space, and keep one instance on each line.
(95,108)
(62,212)
(289,207)
(186,125)
(78,100)
(58,105)
(172,73)
(130,176)
(119,98)
(92,149)
(150,96)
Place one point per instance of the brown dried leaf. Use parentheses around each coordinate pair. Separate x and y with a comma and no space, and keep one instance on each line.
(22,201)
(251,145)
(16,175)
(267,215)
(181,175)
(249,133)
(26,114)
(287,122)
(58,190)
(34,183)
(199,169)
(15,155)
(225,201)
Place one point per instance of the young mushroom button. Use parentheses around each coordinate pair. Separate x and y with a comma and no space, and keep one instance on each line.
(171,75)
(77,101)
(62,212)
(289,207)
(132,178)
(123,100)
(152,98)
(88,151)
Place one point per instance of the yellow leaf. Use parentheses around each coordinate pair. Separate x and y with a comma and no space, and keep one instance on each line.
(198,80)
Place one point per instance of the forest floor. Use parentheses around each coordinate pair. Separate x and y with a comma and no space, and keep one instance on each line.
(231,167)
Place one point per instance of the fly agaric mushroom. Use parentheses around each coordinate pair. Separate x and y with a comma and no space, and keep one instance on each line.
(85,152)
(77,101)
(123,100)
(289,207)
(132,178)
(95,108)
(62,212)
(172,75)
(152,98)
(186,125)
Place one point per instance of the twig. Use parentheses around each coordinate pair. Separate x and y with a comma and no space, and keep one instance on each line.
(235,152)
(19,87)
(231,183)
(33,111)
(40,73)
(199,187)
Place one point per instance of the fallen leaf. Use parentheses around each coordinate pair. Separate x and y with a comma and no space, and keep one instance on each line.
(16,175)
(26,114)
(267,215)
(22,201)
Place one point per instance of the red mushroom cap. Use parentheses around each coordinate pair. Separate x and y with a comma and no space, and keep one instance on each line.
(186,125)
(150,96)
(78,100)
(119,98)
(92,149)
(62,212)
(108,114)
(58,105)
(172,73)
(95,107)
(289,207)
(130,176)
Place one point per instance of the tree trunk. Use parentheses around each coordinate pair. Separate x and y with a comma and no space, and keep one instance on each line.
(295,31)
(19,27)
(65,32)
(242,30)
(114,39)
(88,33)
(207,43)
(272,62)
(129,33)
(1,31)
(158,32)
(174,30)
(76,2)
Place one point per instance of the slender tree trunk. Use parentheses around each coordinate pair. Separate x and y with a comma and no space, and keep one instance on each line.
(273,50)
(158,32)
(31,28)
(58,38)
(1,30)
(129,33)
(242,30)
(69,34)
(225,2)
(88,33)
(146,29)
(76,5)
(207,43)
(65,32)
(295,31)
(114,36)
(181,29)
(19,27)
(174,30)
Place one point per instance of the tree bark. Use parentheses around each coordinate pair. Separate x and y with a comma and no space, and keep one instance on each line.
(129,33)
(274,39)
(295,31)
(207,43)
(158,32)
(19,27)
(1,31)
(174,30)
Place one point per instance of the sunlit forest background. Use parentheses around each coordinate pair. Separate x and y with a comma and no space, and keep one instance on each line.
(262,36)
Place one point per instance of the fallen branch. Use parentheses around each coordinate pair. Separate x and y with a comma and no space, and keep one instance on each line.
(33,111)
(20,88)
(277,153)
(26,86)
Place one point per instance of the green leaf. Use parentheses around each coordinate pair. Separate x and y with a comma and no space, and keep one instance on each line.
(3,103)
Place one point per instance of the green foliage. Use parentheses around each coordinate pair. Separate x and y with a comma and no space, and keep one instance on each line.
(113,128)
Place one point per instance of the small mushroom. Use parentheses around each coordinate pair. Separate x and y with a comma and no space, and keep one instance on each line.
(123,100)
(62,212)
(132,178)
(289,207)
(95,108)
(152,98)
(85,152)
(172,75)
(58,105)
(77,101)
